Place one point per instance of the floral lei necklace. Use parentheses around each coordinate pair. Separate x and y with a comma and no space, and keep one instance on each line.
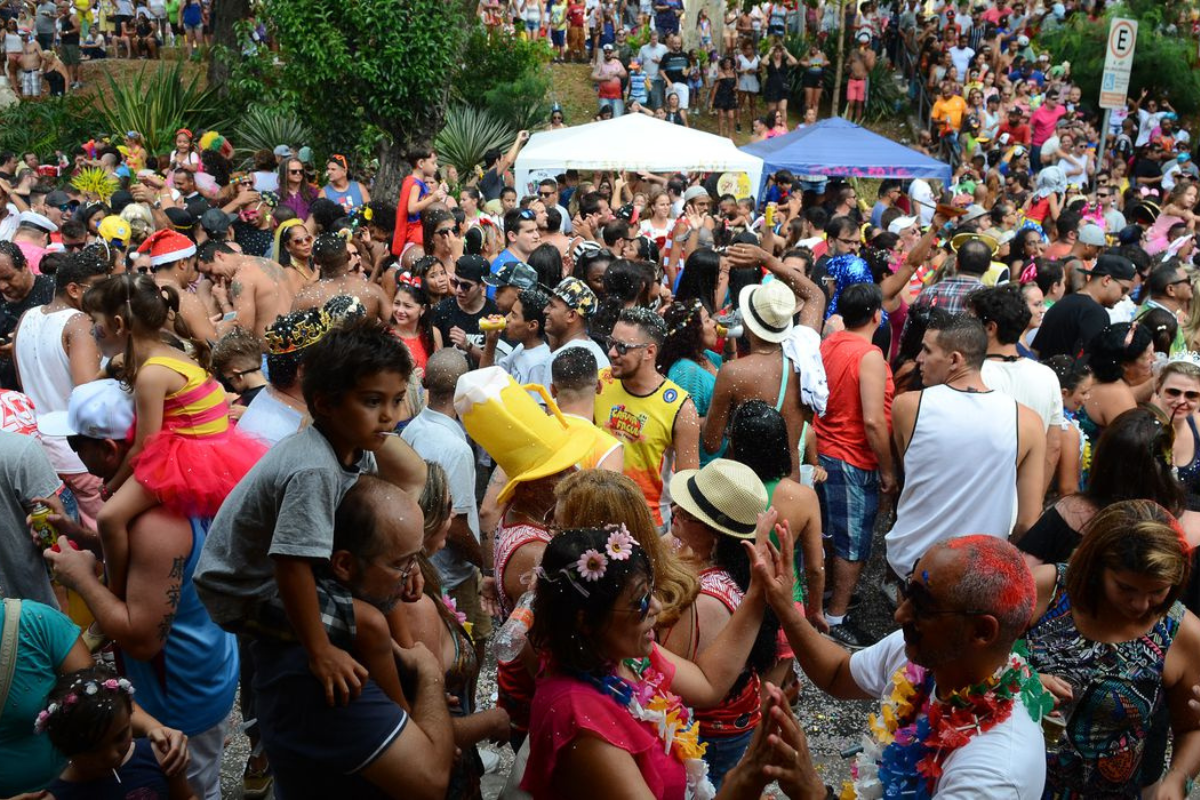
(916,732)
(648,701)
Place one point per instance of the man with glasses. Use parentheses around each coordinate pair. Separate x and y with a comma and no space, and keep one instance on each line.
(185,667)
(965,603)
(1106,203)
(651,415)
(457,318)
(55,351)
(547,192)
(74,236)
(1075,320)
(1170,289)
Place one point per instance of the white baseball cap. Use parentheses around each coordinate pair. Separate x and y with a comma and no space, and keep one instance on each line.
(98,410)
(900,224)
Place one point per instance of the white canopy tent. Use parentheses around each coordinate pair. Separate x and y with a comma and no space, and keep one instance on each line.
(630,142)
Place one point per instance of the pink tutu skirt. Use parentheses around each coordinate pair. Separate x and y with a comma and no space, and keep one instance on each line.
(192,475)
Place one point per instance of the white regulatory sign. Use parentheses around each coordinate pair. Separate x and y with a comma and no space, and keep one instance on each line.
(1118,61)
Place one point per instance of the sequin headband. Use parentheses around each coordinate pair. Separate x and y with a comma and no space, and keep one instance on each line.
(694,306)
(593,564)
(79,689)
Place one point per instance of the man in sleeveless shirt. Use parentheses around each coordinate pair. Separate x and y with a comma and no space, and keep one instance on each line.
(970,456)
(855,449)
(184,666)
(648,413)
(55,351)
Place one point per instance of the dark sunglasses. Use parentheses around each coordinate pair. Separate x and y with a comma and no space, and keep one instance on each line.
(545,194)
(1175,394)
(527,213)
(237,373)
(443,231)
(74,245)
(295,172)
(466,286)
(924,603)
(623,348)
(642,606)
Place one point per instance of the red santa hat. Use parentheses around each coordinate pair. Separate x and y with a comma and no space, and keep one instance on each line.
(167,246)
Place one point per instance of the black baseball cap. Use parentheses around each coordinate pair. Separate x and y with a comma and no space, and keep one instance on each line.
(472,268)
(1114,266)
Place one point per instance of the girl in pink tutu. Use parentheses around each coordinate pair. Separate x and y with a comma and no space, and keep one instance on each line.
(186,455)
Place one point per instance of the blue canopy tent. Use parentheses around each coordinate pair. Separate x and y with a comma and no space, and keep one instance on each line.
(837,147)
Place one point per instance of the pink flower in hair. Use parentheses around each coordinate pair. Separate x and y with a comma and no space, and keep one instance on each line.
(592,565)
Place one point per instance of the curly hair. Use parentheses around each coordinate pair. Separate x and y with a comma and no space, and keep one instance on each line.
(685,334)
(1116,346)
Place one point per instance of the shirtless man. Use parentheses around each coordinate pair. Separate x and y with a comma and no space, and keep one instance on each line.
(862,61)
(32,58)
(182,274)
(254,290)
(332,257)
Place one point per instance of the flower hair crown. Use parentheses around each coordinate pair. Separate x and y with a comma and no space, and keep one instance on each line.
(1186,357)
(81,688)
(593,564)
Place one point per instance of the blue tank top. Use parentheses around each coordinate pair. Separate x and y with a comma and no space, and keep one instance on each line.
(349,200)
(190,684)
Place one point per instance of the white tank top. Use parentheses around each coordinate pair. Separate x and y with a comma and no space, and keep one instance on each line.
(46,376)
(960,473)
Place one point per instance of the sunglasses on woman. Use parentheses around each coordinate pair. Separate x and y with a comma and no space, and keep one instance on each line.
(641,606)
(1175,394)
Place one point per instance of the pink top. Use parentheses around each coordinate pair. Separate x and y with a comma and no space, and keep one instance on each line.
(1043,122)
(565,708)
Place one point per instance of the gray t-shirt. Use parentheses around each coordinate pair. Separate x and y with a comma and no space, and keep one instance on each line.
(269,419)
(43,24)
(283,507)
(441,440)
(25,473)
(647,54)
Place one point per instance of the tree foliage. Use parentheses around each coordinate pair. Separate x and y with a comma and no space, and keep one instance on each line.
(351,66)
(158,102)
(1162,64)
(55,123)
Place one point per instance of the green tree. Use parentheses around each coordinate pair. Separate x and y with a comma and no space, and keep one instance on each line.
(365,66)
(1162,64)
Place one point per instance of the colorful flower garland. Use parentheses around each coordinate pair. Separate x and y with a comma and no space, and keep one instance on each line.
(649,701)
(915,732)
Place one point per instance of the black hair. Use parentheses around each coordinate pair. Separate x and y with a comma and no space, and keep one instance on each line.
(574,369)
(81,723)
(960,333)
(1049,273)
(590,204)
(547,262)
(514,218)
(1162,277)
(685,334)
(1068,223)
(533,308)
(1108,352)
(624,282)
(839,225)
(206,253)
(421,297)
(16,254)
(566,622)
(699,278)
(345,356)
(586,261)
(816,216)
(1070,371)
(51,262)
(758,439)
(420,153)
(77,268)
(614,231)
(647,321)
(325,212)
(1133,462)
(858,302)
(383,215)
(430,219)
(974,257)
(553,220)
(1142,260)
(1163,326)
(74,229)
(730,555)
(1005,306)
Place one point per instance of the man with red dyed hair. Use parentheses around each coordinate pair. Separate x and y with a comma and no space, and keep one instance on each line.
(966,602)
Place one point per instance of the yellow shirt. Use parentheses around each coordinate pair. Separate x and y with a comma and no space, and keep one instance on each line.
(645,425)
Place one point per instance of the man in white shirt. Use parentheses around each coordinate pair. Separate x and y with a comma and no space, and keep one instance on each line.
(959,631)
(650,56)
(923,200)
(1005,315)
(961,54)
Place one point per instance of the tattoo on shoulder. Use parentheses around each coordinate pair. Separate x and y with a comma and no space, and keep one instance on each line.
(235,288)
(272,269)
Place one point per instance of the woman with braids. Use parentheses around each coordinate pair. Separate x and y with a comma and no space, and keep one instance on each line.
(688,356)
(434,621)
(186,454)
(411,318)
(1116,646)
(594,730)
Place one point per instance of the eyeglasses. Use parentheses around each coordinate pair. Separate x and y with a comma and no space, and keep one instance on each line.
(237,373)
(404,573)
(1175,394)
(305,240)
(443,231)
(74,245)
(466,286)
(295,172)
(1181,280)
(545,194)
(623,348)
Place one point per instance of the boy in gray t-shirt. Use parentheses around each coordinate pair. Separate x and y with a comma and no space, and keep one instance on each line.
(260,571)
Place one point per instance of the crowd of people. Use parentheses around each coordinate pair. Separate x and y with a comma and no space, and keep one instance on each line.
(275,435)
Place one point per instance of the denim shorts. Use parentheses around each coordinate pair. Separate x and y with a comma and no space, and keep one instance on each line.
(722,753)
(849,502)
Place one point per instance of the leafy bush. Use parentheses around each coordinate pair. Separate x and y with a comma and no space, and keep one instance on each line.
(263,128)
(468,133)
(1165,65)
(160,103)
(522,104)
(44,126)
(492,61)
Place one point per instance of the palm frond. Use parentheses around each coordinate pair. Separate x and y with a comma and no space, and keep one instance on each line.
(468,133)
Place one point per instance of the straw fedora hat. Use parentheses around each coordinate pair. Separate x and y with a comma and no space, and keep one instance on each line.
(767,310)
(725,495)
(527,442)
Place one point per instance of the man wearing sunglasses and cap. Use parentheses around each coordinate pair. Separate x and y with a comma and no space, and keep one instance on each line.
(457,317)
(1075,320)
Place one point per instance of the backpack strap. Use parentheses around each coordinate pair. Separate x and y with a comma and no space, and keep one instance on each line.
(8,647)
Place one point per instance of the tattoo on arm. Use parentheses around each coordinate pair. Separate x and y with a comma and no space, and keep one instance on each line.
(177,566)
(164,627)
(235,289)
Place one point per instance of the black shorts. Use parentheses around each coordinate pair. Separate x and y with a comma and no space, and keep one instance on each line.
(812,80)
(119,20)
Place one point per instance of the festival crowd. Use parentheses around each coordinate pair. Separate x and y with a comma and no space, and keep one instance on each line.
(271,435)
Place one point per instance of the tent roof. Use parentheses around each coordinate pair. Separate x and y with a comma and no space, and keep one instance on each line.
(837,147)
(634,142)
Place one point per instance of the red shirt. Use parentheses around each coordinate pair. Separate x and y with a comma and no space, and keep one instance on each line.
(841,433)
(575,15)
(1020,132)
